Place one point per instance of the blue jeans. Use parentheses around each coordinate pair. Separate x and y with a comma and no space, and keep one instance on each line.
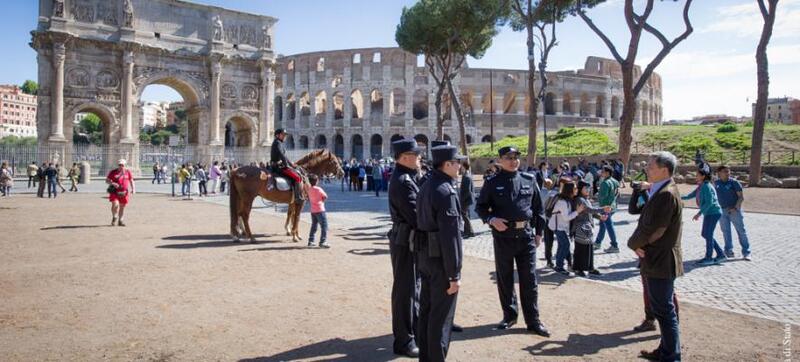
(737,219)
(607,225)
(377,186)
(186,187)
(709,225)
(661,293)
(562,251)
(321,220)
(52,187)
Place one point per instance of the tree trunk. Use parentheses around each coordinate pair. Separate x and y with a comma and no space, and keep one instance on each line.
(628,114)
(462,132)
(439,117)
(762,70)
(533,122)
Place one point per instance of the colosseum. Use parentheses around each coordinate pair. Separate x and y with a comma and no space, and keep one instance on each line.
(357,101)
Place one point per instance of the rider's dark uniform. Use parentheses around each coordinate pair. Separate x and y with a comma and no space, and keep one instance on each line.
(281,164)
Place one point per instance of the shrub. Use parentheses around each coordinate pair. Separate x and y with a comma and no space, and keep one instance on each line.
(728,127)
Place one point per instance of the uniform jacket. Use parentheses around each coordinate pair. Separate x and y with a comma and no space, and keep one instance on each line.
(466,192)
(513,196)
(439,211)
(277,154)
(658,233)
(403,192)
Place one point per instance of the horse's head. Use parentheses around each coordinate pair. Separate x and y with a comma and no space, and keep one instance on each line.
(322,162)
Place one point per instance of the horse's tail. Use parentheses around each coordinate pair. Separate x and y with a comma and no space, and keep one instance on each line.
(233,200)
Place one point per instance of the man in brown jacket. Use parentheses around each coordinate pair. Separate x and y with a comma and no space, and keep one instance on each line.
(657,241)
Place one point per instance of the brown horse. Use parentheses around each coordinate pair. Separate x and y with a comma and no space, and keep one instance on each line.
(247,182)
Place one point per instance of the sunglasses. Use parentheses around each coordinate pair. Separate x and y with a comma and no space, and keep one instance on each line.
(511,158)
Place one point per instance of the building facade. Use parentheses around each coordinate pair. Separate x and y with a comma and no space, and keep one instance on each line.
(357,101)
(153,115)
(17,112)
(784,110)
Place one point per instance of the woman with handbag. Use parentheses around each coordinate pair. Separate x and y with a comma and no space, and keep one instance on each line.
(120,187)
(582,229)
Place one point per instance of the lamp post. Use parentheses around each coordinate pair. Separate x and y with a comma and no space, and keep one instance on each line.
(491,110)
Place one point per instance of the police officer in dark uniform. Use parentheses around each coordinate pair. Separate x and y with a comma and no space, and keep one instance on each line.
(510,202)
(403,191)
(440,253)
(283,166)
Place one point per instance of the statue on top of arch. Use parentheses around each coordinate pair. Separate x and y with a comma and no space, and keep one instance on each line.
(218,30)
(128,14)
(58,8)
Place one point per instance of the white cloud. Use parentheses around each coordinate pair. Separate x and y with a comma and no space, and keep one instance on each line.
(744,20)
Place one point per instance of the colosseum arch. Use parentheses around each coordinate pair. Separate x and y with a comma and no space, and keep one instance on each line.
(93,52)
(320,141)
(397,102)
(549,103)
(486,139)
(357,147)
(599,106)
(567,103)
(376,146)
(488,103)
(338,105)
(289,141)
(585,110)
(338,146)
(376,103)
(303,144)
(291,107)
(509,102)
(320,103)
(420,108)
(305,104)
(356,104)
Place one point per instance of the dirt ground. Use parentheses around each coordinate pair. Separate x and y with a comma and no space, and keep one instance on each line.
(171,286)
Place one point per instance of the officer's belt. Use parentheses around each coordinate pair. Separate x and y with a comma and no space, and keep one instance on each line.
(516,225)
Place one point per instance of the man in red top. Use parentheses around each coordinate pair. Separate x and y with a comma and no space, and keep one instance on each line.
(121,182)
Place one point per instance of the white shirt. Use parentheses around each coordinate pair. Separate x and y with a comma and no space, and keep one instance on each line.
(562,215)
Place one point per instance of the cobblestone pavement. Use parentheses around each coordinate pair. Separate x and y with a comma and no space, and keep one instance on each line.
(768,286)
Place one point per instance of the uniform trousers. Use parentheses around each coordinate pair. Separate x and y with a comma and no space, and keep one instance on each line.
(436,310)
(522,250)
(405,295)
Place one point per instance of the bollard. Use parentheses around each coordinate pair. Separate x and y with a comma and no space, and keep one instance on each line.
(85,176)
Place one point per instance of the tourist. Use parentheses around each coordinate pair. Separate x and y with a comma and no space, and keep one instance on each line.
(370,177)
(156,170)
(121,186)
(62,172)
(353,185)
(563,212)
(362,173)
(33,170)
(74,174)
(638,199)
(730,194)
(377,178)
(51,173)
(657,241)
(510,202)
(185,178)
(549,192)
(224,178)
(214,174)
(6,179)
(709,209)
(609,191)
(202,178)
(583,257)
(317,197)
(542,174)
(42,180)
(466,196)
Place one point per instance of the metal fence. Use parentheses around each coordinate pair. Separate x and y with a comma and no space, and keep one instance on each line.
(102,158)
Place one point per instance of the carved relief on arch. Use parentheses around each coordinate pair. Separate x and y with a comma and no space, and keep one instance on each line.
(78,77)
(249,93)
(82,11)
(107,79)
(107,13)
(228,91)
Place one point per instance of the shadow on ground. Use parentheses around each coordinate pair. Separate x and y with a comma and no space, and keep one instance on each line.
(67,227)
(581,345)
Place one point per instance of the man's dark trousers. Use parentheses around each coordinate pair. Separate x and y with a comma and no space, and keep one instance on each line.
(661,292)
(405,293)
(507,250)
(52,185)
(437,310)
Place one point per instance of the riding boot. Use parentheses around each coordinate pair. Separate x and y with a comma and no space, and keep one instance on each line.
(298,193)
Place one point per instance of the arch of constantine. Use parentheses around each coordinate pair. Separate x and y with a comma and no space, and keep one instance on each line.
(98,56)
(357,101)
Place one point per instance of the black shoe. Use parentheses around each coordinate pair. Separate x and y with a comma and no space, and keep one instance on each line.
(506,324)
(457,328)
(654,355)
(646,326)
(539,329)
(550,265)
(580,273)
(594,272)
(410,351)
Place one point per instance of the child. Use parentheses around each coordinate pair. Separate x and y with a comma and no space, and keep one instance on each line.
(317,197)
(582,225)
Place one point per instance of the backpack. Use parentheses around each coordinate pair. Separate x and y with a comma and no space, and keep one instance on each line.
(550,205)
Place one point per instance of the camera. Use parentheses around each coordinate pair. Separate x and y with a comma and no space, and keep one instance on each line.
(636,185)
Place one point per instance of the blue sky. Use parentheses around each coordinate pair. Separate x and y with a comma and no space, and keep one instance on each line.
(712,72)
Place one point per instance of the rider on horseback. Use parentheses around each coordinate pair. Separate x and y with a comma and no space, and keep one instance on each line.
(282,166)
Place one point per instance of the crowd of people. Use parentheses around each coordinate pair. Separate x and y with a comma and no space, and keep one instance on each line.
(367,175)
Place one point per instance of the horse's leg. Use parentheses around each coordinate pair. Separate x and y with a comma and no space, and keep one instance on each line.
(289,213)
(246,208)
(296,222)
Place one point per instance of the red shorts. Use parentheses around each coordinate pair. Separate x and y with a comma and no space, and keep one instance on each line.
(121,199)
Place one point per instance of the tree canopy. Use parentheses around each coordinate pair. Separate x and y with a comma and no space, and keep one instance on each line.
(30,87)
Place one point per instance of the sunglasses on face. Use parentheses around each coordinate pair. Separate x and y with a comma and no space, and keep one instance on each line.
(511,158)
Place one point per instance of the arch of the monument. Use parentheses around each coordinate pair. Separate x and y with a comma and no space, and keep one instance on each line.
(240,130)
(99,56)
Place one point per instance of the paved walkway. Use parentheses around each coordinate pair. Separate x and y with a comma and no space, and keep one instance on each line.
(768,286)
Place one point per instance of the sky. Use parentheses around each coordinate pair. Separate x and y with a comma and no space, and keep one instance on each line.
(711,72)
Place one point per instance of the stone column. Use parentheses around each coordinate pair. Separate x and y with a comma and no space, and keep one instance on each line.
(329,113)
(216,74)
(57,125)
(347,152)
(127,97)
(558,106)
(638,113)
(576,107)
(520,104)
(592,105)
(607,109)
(267,93)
